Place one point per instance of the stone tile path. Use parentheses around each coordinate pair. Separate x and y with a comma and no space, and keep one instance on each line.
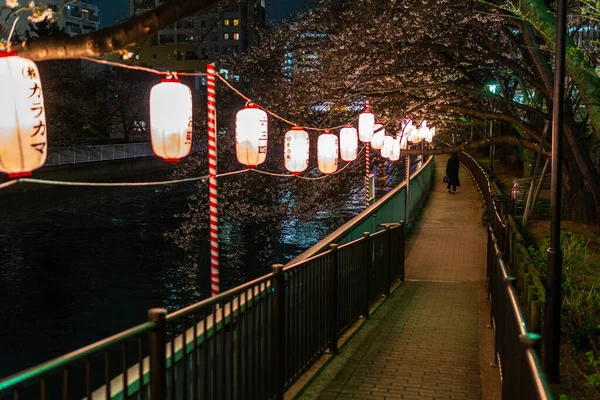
(423,342)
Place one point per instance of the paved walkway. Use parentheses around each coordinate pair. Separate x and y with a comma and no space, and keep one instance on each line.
(424,341)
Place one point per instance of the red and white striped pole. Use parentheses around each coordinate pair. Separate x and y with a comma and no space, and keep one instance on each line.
(368,170)
(212,178)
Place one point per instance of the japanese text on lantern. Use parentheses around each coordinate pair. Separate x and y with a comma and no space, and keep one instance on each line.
(35,107)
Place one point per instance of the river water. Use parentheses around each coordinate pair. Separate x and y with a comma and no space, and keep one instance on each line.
(80,264)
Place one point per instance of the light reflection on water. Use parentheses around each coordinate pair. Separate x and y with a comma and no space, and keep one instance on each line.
(80,264)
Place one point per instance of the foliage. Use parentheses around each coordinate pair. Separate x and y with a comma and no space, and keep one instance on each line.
(580,294)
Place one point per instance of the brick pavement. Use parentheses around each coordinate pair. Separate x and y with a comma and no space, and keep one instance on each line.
(423,342)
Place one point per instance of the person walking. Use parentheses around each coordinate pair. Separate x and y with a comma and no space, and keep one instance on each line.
(452,172)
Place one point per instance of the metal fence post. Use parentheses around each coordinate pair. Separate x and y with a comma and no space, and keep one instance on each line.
(388,257)
(368,268)
(278,332)
(402,250)
(333,299)
(158,357)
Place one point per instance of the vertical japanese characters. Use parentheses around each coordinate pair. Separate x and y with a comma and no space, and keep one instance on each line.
(23,135)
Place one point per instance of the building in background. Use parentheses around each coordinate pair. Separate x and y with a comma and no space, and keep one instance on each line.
(75,17)
(201,37)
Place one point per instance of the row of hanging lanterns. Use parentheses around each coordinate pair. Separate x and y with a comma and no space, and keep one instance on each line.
(23,138)
(251,136)
(23,130)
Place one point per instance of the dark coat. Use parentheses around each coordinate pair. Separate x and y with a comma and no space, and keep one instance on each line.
(452,171)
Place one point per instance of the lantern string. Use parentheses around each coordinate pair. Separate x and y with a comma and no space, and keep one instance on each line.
(7,184)
(287,121)
(307,177)
(139,68)
(229,85)
(117,184)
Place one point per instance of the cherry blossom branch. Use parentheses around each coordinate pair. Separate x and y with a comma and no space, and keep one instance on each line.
(476,144)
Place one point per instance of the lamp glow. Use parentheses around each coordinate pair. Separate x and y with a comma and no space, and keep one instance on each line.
(23,136)
(171,119)
(296,150)
(378,135)
(327,152)
(251,135)
(348,143)
(387,148)
(366,121)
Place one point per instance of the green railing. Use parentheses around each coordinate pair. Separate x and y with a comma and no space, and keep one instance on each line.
(388,209)
(253,341)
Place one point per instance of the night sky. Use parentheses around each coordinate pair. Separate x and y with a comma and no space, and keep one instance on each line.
(276,9)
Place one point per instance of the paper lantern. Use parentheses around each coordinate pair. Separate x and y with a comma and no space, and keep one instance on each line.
(403,141)
(251,135)
(386,149)
(296,150)
(366,121)
(431,135)
(171,119)
(348,143)
(378,135)
(327,152)
(23,136)
(395,154)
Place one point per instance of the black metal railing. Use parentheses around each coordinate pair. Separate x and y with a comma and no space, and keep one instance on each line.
(516,349)
(253,341)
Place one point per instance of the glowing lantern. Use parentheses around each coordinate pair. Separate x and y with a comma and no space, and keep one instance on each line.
(395,154)
(378,135)
(366,121)
(404,141)
(251,135)
(327,152)
(296,150)
(348,143)
(23,139)
(431,135)
(171,119)
(386,149)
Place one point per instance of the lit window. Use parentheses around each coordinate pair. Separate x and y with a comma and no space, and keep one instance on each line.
(225,22)
(236,22)
(226,36)
(236,36)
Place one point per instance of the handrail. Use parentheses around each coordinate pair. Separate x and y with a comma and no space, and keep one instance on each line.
(516,348)
(74,356)
(330,290)
(345,229)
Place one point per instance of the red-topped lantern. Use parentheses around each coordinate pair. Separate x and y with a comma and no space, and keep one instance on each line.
(366,121)
(378,135)
(23,135)
(348,143)
(386,149)
(296,150)
(251,135)
(395,154)
(171,119)
(327,152)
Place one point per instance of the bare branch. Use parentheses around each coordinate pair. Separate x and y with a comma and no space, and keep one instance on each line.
(115,38)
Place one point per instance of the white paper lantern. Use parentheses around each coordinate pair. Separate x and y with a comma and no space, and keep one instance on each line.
(327,152)
(431,135)
(348,143)
(251,135)
(366,122)
(296,150)
(23,135)
(171,119)
(403,141)
(378,135)
(395,154)
(386,149)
